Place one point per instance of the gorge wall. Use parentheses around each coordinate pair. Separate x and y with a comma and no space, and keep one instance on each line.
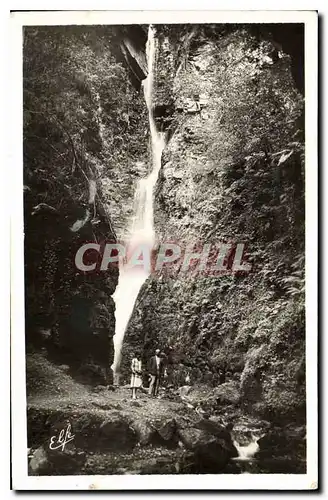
(85,143)
(233,170)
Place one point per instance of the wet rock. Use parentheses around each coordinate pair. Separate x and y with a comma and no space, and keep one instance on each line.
(133,54)
(298,432)
(282,442)
(214,428)
(210,452)
(272,442)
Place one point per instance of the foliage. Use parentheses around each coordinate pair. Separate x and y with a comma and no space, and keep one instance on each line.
(233,171)
(69,78)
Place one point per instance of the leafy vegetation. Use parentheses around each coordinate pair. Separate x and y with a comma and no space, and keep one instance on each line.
(233,172)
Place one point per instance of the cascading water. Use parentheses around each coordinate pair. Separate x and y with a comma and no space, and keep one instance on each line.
(142,228)
(247,452)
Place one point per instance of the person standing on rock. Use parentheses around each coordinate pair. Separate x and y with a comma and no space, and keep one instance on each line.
(155,368)
(136,377)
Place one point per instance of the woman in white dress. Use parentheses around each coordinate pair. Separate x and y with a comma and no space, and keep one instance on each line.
(136,377)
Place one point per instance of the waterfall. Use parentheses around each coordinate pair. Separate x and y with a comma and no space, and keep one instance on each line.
(141,230)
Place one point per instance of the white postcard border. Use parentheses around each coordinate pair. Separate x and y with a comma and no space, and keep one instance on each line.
(21,480)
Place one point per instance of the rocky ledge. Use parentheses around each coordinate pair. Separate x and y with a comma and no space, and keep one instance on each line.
(114,434)
(192,429)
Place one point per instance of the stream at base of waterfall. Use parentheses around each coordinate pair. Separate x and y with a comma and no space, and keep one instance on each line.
(141,231)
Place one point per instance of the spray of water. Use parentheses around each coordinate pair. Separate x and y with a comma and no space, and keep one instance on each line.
(142,226)
(247,452)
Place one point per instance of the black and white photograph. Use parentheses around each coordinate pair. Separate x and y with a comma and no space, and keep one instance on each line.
(167,328)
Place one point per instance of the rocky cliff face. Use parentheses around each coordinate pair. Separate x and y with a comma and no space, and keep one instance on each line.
(232,171)
(85,143)
(229,98)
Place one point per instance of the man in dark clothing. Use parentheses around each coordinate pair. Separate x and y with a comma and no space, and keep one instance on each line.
(155,368)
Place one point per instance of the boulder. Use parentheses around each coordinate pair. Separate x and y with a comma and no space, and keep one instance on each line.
(66,462)
(211,451)
(45,461)
(183,421)
(116,432)
(211,444)
(145,433)
(165,427)
(192,438)
(215,429)
(228,393)
(280,442)
(184,390)
(38,462)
